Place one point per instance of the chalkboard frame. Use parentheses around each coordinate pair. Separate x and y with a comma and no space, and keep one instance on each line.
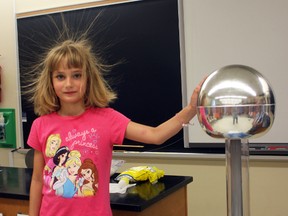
(160,94)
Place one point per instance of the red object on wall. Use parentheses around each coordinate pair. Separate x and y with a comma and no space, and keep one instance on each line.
(0,82)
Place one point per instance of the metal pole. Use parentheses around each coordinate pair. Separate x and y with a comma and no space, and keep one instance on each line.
(237,177)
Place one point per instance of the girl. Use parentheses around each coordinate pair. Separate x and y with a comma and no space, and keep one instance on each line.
(72,98)
(88,172)
(52,145)
(59,171)
(69,177)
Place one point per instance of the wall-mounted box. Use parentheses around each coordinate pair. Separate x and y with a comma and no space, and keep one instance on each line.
(7,128)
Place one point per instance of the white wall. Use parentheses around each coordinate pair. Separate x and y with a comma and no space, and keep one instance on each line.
(34,5)
(206,194)
(252,33)
(9,64)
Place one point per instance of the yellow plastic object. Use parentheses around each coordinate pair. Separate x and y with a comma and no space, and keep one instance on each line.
(146,190)
(141,173)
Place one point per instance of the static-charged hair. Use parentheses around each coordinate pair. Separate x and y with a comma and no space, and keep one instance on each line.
(76,54)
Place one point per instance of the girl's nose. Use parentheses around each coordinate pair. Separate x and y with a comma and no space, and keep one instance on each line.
(68,82)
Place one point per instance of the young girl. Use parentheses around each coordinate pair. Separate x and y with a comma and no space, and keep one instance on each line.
(72,98)
(88,172)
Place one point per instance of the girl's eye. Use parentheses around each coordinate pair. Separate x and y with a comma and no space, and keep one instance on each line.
(77,76)
(59,77)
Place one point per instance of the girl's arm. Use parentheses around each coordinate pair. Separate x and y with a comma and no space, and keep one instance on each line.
(161,133)
(36,184)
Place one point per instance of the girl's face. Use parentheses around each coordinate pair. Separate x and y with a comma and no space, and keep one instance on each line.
(69,85)
(87,174)
(73,169)
(54,144)
(62,158)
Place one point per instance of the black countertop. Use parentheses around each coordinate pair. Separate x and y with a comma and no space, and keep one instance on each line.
(15,184)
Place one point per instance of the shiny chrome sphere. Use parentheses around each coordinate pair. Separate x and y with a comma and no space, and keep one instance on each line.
(236,102)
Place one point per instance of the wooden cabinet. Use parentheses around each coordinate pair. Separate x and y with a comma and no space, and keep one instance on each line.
(173,205)
(167,197)
(10,207)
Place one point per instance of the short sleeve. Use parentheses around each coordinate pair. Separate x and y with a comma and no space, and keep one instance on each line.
(118,127)
(33,139)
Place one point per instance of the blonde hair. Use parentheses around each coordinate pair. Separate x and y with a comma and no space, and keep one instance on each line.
(52,137)
(74,157)
(78,54)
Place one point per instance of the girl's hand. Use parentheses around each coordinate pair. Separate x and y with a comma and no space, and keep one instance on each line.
(194,96)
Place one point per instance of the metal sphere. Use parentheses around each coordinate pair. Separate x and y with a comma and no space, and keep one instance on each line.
(236,102)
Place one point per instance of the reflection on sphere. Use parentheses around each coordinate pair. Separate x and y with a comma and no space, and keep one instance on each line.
(236,102)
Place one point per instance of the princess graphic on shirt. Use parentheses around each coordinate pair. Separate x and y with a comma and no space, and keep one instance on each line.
(52,145)
(59,171)
(88,182)
(66,187)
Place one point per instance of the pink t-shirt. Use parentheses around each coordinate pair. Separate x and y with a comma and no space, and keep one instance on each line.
(77,152)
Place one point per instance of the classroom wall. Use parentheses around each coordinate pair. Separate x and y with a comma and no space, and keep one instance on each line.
(8,62)
(207,193)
